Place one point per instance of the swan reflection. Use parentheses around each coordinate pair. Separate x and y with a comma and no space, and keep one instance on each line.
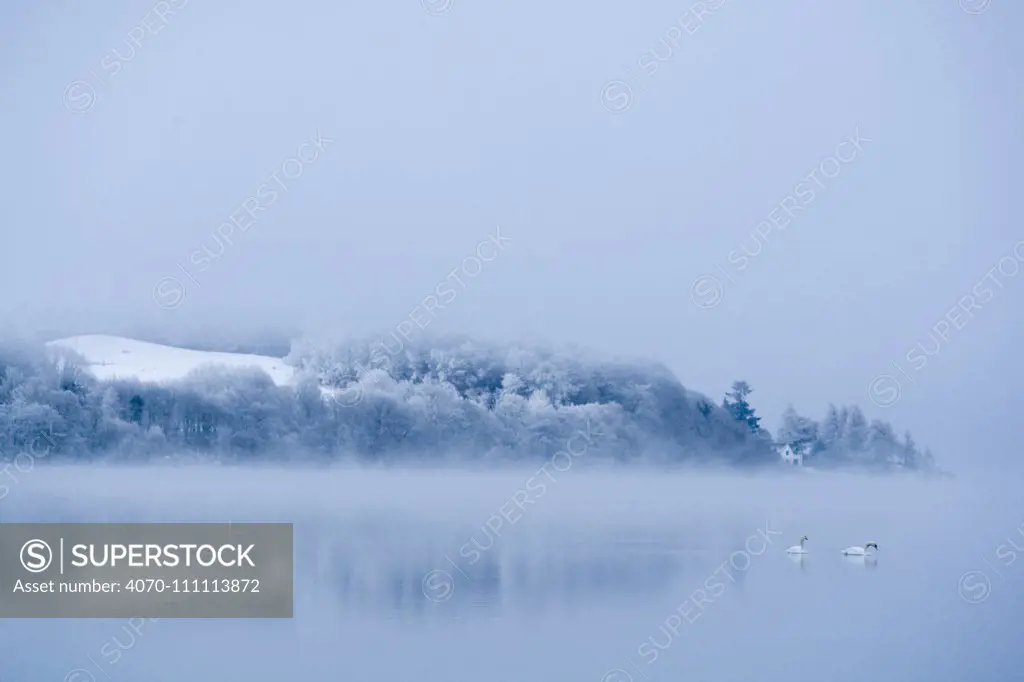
(867,561)
(798,559)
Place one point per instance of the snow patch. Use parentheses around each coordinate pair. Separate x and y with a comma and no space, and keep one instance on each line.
(116,357)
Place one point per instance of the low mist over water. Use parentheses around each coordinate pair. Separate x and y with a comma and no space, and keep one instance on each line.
(545,328)
(582,575)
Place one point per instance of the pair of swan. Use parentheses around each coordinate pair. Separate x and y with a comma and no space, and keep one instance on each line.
(849,551)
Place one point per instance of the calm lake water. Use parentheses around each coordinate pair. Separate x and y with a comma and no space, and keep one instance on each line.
(611,575)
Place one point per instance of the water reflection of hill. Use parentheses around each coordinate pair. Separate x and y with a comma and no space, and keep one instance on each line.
(529,573)
(357,557)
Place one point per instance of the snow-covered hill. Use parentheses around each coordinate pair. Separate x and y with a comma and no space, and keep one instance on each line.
(440,398)
(116,357)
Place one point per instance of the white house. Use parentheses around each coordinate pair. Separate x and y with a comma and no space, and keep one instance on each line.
(789,457)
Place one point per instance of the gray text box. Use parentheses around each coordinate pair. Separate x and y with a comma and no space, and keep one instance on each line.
(146,570)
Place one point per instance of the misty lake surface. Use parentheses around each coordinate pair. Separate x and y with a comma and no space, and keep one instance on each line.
(612,576)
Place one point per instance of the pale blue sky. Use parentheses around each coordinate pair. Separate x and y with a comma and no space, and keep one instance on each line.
(487,115)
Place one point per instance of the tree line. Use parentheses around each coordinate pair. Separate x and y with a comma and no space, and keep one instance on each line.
(448,401)
(843,438)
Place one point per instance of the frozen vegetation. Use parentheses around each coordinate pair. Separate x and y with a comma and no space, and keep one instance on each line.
(451,400)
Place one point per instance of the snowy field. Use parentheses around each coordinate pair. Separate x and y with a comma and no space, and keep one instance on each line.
(116,357)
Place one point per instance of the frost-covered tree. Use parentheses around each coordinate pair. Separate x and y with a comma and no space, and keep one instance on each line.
(909,451)
(882,447)
(855,432)
(797,431)
(831,429)
(735,402)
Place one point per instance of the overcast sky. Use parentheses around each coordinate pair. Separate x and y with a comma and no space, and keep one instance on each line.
(623,150)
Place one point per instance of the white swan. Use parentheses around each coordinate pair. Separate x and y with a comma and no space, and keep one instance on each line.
(798,549)
(860,551)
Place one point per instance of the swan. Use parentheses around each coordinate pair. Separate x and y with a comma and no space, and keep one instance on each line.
(860,551)
(798,549)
